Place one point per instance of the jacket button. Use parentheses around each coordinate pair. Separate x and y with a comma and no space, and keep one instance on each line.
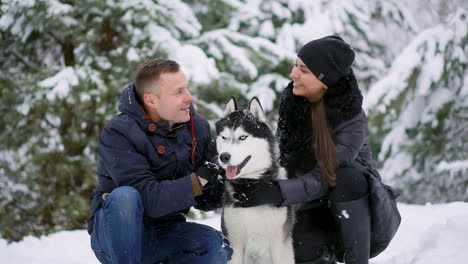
(161,149)
(152,127)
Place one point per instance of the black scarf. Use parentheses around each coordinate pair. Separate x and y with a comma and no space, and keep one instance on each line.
(342,102)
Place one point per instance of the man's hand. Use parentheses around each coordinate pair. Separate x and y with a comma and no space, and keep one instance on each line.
(208,171)
(212,197)
(253,192)
(203,182)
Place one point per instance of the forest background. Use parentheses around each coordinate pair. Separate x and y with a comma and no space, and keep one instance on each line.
(64,63)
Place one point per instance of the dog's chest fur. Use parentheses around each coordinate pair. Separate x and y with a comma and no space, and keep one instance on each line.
(259,234)
(262,223)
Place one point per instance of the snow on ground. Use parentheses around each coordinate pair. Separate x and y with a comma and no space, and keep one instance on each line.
(429,234)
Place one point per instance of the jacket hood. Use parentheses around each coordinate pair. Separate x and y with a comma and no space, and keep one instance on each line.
(129,105)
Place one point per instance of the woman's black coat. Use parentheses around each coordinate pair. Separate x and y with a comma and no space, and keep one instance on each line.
(351,137)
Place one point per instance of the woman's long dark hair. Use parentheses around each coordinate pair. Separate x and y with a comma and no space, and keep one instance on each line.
(323,145)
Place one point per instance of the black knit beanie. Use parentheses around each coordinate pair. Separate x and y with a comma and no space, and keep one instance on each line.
(328,58)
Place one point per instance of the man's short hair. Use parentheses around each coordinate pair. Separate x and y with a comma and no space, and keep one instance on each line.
(150,71)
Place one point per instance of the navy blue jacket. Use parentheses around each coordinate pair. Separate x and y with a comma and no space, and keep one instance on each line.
(138,152)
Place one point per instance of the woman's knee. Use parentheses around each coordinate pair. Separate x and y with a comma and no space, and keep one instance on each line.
(351,184)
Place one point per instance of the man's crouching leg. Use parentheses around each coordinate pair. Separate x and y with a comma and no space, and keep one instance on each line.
(188,242)
(118,227)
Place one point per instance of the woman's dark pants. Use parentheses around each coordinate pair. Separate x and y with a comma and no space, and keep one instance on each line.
(338,226)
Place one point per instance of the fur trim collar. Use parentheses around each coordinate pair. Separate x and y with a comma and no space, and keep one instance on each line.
(343,101)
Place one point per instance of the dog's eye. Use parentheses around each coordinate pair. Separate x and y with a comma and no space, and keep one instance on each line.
(223,137)
(243,137)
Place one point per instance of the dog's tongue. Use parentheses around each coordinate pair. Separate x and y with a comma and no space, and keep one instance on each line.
(231,172)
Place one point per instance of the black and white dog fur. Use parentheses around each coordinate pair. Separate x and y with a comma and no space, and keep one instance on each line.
(247,149)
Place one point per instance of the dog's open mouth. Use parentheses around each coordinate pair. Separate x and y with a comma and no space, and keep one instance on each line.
(232,171)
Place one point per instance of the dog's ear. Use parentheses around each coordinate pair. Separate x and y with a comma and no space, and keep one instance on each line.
(231,106)
(256,109)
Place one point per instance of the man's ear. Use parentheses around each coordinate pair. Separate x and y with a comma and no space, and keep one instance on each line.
(148,99)
(256,109)
(231,106)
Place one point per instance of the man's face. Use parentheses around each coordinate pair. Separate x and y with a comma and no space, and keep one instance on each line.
(171,98)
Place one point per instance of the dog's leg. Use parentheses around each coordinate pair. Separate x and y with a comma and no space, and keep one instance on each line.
(237,255)
(236,234)
(257,251)
(282,251)
(238,247)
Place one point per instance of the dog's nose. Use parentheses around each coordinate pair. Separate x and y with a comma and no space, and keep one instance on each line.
(225,157)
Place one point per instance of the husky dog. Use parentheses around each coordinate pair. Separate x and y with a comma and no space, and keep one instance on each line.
(247,149)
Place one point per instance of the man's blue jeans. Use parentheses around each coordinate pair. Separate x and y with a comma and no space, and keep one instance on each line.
(120,236)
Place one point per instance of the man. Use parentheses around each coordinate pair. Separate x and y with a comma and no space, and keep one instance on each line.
(154,165)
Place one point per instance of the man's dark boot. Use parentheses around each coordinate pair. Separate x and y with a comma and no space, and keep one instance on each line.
(353,222)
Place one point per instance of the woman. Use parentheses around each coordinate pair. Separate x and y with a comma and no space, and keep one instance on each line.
(324,147)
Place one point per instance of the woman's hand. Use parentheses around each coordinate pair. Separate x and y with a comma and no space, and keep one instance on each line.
(254,192)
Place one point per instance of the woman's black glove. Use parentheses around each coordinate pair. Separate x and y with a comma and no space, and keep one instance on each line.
(212,197)
(253,192)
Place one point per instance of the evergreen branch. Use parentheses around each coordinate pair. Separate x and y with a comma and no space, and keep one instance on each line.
(25,61)
(59,41)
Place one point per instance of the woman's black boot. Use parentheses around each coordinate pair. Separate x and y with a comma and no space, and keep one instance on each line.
(353,221)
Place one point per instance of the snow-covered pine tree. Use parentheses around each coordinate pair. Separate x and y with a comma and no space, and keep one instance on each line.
(292,23)
(64,64)
(419,110)
(376,29)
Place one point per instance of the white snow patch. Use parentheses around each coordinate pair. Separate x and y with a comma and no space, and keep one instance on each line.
(267,29)
(24,108)
(132,55)
(6,20)
(453,165)
(196,64)
(60,82)
(429,234)
(345,214)
(261,89)
(57,8)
